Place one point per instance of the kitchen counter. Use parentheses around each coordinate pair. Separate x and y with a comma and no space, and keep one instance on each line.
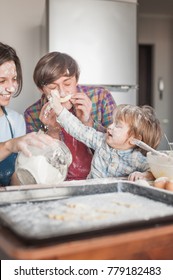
(146,240)
(150,243)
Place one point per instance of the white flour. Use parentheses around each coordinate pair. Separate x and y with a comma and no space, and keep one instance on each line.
(47,166)
(42,171)
(82,214)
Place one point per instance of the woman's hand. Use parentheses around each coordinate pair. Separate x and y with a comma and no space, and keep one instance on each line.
(22,143)
(83,107)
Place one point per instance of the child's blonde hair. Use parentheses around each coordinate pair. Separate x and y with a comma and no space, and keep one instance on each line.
(142,121)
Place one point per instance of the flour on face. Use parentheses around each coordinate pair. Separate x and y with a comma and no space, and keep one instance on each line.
(8,78)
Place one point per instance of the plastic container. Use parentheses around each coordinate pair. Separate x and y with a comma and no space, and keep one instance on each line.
(45,166)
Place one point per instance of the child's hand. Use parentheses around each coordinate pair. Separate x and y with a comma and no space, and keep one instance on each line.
(140,176)
(55,102)
(136,176)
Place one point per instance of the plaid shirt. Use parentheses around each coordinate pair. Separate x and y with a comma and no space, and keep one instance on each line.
(106,162)
(102,108)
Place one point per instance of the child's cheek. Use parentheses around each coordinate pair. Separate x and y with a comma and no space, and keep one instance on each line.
(116,135)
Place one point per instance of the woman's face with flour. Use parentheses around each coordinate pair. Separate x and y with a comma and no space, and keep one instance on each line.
(8,82)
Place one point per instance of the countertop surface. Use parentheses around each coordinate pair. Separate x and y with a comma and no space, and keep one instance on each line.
(139,241)
(150,243)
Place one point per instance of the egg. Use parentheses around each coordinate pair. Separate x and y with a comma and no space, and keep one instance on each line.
(169,185)
(161,182)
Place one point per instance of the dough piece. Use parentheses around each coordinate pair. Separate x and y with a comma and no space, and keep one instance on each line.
(65,98)
(62,99)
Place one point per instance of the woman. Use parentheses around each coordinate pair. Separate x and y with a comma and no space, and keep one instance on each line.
(12,124)
(92,105)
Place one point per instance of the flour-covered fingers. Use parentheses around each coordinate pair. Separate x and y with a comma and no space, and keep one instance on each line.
(135,176)
(22,144)
(82,105)
(80,98)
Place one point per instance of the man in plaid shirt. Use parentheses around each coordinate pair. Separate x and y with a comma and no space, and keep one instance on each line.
(59,71)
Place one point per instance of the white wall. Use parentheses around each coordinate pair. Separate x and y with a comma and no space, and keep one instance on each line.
(158,30)
(22,26)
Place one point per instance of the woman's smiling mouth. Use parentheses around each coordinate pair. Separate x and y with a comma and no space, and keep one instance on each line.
(5,96)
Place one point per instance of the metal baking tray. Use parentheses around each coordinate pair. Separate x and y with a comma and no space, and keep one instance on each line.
(75,210)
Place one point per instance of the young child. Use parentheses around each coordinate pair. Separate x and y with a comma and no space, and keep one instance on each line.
(115,154)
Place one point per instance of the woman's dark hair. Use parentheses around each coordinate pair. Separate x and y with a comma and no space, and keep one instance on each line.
(52,66)
(7,53)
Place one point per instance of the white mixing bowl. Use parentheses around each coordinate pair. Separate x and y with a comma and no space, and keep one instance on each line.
(161,166)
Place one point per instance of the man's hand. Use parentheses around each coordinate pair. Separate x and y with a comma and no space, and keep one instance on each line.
(48,116)
(83,106)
